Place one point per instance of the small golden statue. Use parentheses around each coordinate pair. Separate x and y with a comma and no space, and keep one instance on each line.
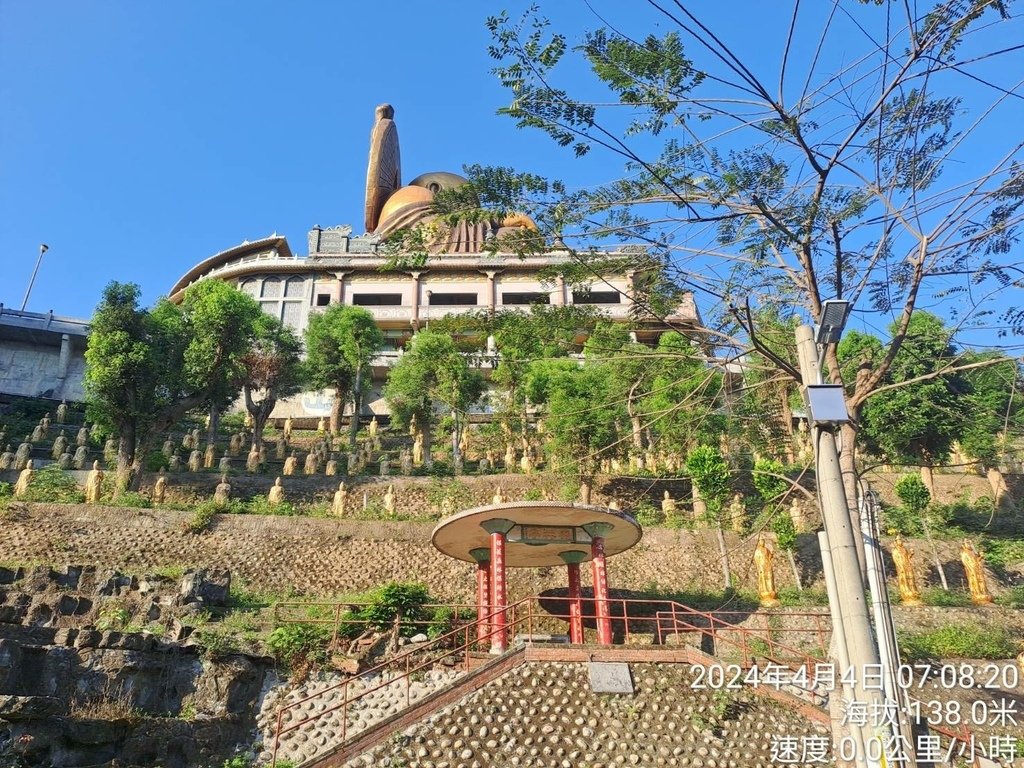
(389,501)
(498,497)
(974,568)
(340,500)
(906,581)
(160,488)
(94,484)
(763,557)
(24,480)
(276,495)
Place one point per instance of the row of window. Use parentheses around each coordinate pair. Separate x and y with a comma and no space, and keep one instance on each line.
(473,299)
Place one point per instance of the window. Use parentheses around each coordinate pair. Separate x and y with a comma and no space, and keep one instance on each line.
(323,299)
(526,298)
(377,299)
(295,288)
(451,299)
(596,297)
(271,287)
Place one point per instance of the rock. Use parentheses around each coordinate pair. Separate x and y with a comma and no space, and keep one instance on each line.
(419,638)
(208,586)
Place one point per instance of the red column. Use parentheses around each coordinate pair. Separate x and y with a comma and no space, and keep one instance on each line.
(572,565)
(483,593)
(499,595)
(599,572)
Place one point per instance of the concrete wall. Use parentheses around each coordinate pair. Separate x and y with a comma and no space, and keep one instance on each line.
(41,355)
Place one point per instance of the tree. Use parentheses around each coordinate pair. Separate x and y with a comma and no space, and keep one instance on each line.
(861,166)
(918,421)
(340,343)
(271,370)
(145,369)
(993,417)
(772,486)
(579,412)
(433,376)
(710,475)
(915,498)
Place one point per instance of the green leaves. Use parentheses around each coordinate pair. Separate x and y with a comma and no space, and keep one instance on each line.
(340,341)
(710,473)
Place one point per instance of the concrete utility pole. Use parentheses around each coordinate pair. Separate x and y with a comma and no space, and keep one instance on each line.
(851,605)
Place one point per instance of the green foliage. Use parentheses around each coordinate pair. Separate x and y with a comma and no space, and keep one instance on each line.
(647,514)
(259,505)
(54,485)
(958,641)
(711,475)
(453,493)
(945,598)
(1004,553)
(271,369)
(202,517)
(432,376)
(340,343)
(785,531)
(394,599)
(134,500)
(581,414)
(296,644)
(769,480)
(145,369)
(913,494)
(533,494)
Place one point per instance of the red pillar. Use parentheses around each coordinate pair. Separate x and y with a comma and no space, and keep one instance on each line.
(483,592)
(572,565)
(499,595)
(599,572)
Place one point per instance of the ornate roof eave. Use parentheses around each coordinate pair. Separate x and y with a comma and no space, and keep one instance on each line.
(207,266)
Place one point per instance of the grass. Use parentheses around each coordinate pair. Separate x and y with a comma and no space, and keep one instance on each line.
(958,641)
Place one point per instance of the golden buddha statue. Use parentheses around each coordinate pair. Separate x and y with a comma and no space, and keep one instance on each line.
(906,581)
(974,569)
(392,207)
(763,557)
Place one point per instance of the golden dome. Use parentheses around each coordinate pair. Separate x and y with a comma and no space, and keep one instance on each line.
(402,197)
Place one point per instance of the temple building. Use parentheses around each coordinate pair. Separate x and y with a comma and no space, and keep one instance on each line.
(462,271)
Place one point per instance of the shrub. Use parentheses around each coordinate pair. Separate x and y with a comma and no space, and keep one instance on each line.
(52,484)
(134,500)
(958,641)
(455,493)
(6,490)
(647,514)
(202,516)
(533,494)
(1003,552)
(1013,597)
(296,644)
(913,494)
(945,598)
(259,505)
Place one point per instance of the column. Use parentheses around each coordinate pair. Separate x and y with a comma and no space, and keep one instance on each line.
(415,319)
(339,291)
(498,528)
(559,291)
(599,573)
(572,561)
(492,298)
(482,555)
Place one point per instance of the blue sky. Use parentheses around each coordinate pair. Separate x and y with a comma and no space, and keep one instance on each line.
(138,138)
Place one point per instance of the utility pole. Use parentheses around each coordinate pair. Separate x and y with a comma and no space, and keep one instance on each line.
(850,605)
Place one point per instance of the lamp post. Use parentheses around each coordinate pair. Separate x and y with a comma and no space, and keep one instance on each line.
(43,248)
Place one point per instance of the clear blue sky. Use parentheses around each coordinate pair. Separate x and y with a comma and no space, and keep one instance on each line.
(138,138)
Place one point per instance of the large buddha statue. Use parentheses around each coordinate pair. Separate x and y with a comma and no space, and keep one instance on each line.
(392,207)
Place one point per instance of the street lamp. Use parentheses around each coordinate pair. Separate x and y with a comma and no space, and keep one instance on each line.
(834,314)
(43,248)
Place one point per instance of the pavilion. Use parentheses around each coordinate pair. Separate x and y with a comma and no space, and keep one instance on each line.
(535,534)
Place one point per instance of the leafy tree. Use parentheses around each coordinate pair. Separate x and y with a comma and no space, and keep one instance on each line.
(917,420)
(993,416)
(711,478)
(340,343)
(915,498)
(145,369)
(859,165)
(579,413)
(271,370)
(433,376)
